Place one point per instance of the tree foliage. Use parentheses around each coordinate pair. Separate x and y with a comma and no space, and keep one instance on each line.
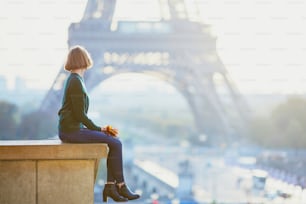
(284,127)
(9,118)
(33,125)
(37,125)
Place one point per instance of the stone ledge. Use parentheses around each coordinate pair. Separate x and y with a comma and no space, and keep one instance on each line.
(48,171)
(50,149)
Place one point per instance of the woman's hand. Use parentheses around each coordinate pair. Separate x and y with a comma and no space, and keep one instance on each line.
(103,129)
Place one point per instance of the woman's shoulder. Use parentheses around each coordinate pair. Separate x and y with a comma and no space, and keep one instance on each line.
(75,82)
(74,78)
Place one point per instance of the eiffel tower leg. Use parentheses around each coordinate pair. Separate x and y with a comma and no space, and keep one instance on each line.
(240,103)
(207,112)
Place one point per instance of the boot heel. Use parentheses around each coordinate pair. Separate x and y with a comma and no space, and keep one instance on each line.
(111,191)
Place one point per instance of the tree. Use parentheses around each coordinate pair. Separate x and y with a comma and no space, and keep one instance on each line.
(9,118)
(285,127)
(289,121)
(37,125)
(262,131)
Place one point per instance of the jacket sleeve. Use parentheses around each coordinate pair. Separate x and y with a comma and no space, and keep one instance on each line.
(77,98)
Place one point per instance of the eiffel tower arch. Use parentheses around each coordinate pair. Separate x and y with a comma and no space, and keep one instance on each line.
(175,49)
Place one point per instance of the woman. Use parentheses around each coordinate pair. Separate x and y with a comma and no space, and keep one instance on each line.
(73,117)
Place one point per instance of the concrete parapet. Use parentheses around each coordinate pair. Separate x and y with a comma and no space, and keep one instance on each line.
(48,171)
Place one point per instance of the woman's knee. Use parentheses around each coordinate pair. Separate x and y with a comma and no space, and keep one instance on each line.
(115,143)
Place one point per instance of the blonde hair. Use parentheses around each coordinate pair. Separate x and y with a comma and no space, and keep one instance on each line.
(78,58)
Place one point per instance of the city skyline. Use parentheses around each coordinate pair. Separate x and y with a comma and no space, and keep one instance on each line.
(262,53)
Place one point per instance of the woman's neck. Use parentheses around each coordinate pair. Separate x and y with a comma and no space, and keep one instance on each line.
(78,71)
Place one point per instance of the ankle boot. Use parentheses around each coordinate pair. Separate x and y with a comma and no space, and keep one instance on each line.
(126,192)
(111,191)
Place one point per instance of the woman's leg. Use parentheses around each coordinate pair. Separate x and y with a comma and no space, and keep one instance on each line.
(114,158)
(114,162)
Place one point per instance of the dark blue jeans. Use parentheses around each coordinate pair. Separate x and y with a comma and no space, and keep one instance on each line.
(114,158)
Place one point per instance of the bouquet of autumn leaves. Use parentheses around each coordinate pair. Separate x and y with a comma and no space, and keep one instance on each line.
(110,131)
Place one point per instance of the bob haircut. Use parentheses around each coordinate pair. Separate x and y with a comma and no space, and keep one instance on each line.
(78,58)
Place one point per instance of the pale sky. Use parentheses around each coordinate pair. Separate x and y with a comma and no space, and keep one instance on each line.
(262,43)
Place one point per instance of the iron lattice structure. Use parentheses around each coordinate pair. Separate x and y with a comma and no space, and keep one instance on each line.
(176,49)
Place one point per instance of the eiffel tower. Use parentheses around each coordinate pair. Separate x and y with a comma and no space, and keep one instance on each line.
(176,49)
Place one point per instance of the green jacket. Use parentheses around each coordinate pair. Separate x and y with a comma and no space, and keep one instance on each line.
(73,113)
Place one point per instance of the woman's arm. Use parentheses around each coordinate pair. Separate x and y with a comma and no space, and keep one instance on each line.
(77,98)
